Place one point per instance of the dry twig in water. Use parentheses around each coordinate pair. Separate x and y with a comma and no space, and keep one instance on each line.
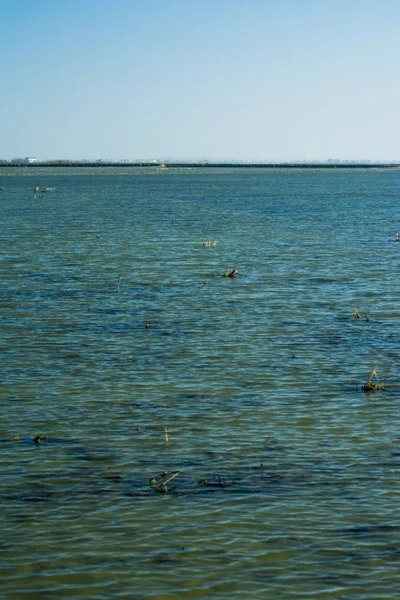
(371,386)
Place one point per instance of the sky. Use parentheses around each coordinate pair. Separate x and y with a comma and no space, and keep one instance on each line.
(268,80)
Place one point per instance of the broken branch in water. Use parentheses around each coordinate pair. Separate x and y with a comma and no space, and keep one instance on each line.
(229,273)
(373,386)
(159,482)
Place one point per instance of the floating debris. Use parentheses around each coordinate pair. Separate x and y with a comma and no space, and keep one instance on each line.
(210,244)
(159,482)
(36,189)
(147,325)
(217,482)
(233,273)
(229,273)
(371,386)
(39,438)
(396,240)
(356,314)
(16,438)
(166,436)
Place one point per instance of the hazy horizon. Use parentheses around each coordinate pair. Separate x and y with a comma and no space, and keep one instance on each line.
(233,80)
(189,160)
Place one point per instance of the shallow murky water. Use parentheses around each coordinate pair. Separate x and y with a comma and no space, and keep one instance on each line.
(289,473)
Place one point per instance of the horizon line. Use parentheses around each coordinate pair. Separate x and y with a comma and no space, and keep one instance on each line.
(32,161)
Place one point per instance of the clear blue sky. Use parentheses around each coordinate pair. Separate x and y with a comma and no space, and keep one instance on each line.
(215,79)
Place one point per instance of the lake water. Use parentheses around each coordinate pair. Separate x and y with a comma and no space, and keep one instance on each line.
(289,472)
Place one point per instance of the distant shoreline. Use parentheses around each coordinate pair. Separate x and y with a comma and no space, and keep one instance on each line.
(199,165)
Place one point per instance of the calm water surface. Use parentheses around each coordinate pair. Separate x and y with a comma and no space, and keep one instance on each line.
(289,472)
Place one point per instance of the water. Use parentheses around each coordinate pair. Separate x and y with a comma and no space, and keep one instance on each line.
(288,483)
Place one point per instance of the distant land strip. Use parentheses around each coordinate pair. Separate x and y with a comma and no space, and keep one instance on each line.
(201,164)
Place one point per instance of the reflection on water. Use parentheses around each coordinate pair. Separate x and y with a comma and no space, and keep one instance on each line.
(288,473)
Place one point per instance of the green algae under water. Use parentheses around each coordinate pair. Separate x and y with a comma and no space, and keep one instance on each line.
(289,473)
